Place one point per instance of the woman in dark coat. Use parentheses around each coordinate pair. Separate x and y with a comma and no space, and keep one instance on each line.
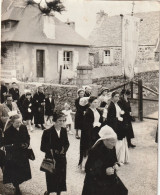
(17,167)
(49,107)
(124,104)
(38,108)
(116,121)
(91,125)
(79,112)
(101,167)
(55,140)
(28,110)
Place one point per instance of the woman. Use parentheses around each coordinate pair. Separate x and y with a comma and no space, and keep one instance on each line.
(79,112)
(55,141)
(17,167)
(91,126)
(27,107)
(103,96)
(115,121)
(49,108)
(124,104)
(101,167)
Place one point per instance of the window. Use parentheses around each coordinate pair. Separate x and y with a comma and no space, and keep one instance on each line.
(67,59)
(107,53)
(107,57)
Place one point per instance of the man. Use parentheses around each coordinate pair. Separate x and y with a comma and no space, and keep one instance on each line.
(9,108)
(14,91)
(3,91)
(88,90)
(38,108)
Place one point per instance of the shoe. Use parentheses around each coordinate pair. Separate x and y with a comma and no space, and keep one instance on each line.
(77,137)
(46,193)
(131,146)
(37,126)
(43,128)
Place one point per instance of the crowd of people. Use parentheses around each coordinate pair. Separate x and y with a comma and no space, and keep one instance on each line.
(103,124)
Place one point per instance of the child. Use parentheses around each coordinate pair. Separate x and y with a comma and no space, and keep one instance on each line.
(67,111)
(104,105)
(49,108)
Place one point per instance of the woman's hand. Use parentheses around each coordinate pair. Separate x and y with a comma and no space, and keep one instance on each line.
(109,171)
(62,151)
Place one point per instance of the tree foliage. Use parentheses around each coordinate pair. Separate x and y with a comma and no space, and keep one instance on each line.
(47,6)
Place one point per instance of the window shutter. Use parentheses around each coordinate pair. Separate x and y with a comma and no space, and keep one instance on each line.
(112,55)
(101,56)
(75,60)
(60,59)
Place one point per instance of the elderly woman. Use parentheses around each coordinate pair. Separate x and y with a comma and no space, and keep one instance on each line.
(55,145)
(91,126)
(79,112)
(101,167)
(17,167)
(115,121)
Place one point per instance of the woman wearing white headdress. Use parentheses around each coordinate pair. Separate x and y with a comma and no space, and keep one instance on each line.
(102,165)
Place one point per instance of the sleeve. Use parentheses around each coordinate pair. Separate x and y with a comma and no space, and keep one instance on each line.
(66,143)
(45,143)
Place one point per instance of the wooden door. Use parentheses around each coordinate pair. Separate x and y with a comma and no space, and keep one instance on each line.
(40,63)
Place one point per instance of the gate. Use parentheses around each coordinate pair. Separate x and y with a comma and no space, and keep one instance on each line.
(140,98)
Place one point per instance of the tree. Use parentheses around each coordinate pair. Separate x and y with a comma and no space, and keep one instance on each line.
(47,6)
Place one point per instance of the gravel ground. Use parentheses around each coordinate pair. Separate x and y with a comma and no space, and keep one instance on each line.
(139,176)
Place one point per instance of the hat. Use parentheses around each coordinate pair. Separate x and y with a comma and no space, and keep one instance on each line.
(104,89)
(106,132)
(79,90)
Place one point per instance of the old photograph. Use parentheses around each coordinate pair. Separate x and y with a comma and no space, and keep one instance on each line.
(79,97)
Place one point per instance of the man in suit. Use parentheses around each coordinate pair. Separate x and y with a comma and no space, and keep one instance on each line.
(14,91)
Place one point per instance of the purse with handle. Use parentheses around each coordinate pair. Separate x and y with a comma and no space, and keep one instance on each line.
(49,165)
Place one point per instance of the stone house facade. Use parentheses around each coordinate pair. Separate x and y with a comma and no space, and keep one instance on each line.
(106,40)
(37,45)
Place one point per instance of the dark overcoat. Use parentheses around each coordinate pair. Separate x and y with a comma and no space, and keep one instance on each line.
(127,124)
(49,107)
(3,90)
(79,114)
(38,109)
(50,140)
(114,123)
(97,182)
(17,167)
(89,134)
(20,103)
(27,104)
(14,93)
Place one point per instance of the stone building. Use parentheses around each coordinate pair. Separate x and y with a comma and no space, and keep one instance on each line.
(38,44)
(106,40)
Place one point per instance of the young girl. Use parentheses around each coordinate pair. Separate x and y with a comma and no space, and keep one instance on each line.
(67,111)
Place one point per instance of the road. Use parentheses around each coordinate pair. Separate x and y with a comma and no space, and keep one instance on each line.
(139,176)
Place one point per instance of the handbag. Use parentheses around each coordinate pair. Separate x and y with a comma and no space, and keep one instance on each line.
(48,165)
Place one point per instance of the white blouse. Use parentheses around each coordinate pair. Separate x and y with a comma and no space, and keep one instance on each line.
(58,132)
(96,118)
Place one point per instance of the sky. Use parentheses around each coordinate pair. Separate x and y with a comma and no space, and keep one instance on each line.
(83,12)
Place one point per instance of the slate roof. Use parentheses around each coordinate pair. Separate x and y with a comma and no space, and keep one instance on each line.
(108,33)
(30,29)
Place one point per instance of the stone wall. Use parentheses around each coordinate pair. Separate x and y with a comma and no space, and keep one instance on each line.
(61,93)
(150,79)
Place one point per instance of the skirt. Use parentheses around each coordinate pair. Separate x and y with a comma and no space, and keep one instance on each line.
(122,151)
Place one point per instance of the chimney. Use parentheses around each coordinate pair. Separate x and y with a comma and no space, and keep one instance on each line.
(71,24)
(101,15)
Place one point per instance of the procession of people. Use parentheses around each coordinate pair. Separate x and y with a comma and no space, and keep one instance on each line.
(103,124)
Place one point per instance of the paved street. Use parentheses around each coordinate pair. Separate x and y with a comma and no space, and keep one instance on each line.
(139,176)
